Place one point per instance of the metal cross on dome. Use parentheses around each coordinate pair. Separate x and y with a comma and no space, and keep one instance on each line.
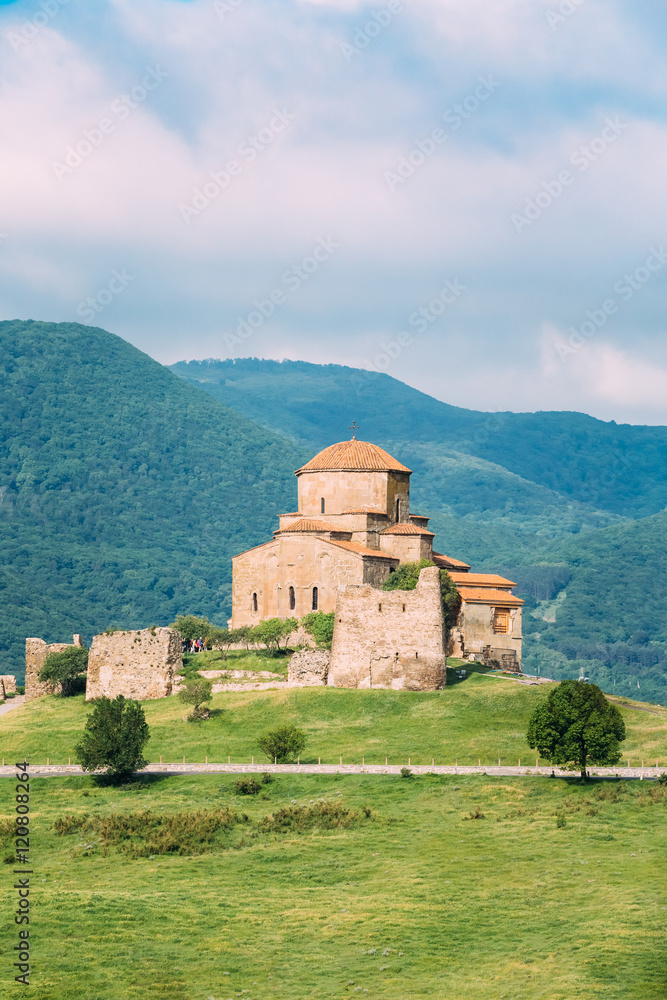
(354,427)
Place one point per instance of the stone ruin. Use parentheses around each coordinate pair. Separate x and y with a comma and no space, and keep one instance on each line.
(7,685)
(309,668)
(36,652)
(139,664)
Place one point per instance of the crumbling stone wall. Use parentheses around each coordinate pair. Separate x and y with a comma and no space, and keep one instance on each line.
(309,668)
(393,639)
(36,652)
(141,664)
(7,685)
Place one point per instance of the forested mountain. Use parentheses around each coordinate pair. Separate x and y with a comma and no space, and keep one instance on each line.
(617,468)
(565,504)
(123,491)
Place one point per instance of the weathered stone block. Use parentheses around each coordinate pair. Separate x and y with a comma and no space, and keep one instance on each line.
(7,685)
(390,639)
(140,664)
(309,668)
(36,652)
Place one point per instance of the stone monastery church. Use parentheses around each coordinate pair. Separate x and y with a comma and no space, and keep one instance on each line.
(353,529)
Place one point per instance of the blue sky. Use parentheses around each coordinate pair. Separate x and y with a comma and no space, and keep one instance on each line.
(467,194)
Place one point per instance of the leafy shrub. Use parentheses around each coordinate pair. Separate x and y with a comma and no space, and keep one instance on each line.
(64,669)
(145,833)
(561,821)
(267,778)
(190,627)
(299,819)
(662,780)
(320,625)
(271,632)
(475,814)
(20,689)
(248,786)
(283,744)
(195,693)
(406,772)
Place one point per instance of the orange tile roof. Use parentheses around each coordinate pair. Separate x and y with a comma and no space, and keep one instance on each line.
(360,549)
(419,517)
(309,524)
(406,529)
(446,562)
(482,595)
(481,580)
(366,510)
(353,455)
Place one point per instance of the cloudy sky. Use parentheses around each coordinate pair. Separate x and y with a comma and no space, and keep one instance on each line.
(467,194)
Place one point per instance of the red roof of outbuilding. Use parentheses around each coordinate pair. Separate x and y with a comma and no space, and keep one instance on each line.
(406,529)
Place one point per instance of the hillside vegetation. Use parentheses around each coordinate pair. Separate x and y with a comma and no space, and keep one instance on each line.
(124,492)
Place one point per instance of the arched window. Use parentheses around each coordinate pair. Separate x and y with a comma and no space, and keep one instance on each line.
(292,599)
(254,602)
(322,505)
(315,598)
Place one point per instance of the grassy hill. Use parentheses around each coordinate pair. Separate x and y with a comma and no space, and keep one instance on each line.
(416,899)
(123,490)
(482,717)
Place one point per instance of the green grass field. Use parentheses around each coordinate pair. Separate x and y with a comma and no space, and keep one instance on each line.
(417,901)
(482,717)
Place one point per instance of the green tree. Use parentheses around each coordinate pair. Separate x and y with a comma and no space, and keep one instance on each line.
(115,735)
(283,744)
(320,625)
(577,726)
(406,577)
(191,627)
(273,630)
(195,693)
(65,669)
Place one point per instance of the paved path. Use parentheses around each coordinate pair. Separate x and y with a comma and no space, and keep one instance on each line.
(12,703)
(58,770)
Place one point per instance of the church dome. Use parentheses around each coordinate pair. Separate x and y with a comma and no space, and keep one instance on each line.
(353,456)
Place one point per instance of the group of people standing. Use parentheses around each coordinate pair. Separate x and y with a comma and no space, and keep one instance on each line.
(193,645)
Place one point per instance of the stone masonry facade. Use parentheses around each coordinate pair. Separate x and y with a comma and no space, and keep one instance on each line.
(141,664)
(36,652)
(390,639)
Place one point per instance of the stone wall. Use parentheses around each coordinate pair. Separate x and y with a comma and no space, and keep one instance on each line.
(309,668)
(140,665)
(393,639)
(36,652)
(7,685)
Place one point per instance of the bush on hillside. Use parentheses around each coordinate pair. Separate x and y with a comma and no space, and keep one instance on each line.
(283,744)
(406,577)
(65,669)
(196,692)
(114,738)
(320,625)
(190,627)
(271,632)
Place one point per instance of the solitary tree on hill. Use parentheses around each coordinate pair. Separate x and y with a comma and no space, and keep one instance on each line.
(115,736)
(577,726)
(195,693)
